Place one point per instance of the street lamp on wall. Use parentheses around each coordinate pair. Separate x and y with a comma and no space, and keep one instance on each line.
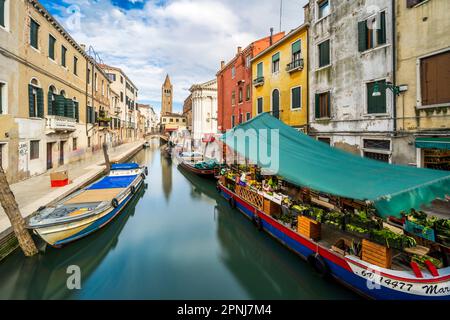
(388,85)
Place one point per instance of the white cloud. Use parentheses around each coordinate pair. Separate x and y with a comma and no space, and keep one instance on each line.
(185,38)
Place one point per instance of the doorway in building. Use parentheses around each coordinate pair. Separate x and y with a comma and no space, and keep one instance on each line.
(49,155)
(61,152)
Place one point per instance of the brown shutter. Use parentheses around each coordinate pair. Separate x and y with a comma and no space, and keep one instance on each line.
(435,79)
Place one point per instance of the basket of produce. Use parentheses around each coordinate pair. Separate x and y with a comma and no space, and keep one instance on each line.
(334,219)
(314,213)
(299,209)
(392,240)
(362,220)
(357,231)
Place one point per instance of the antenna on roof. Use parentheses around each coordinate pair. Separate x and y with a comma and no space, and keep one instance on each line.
(281,12)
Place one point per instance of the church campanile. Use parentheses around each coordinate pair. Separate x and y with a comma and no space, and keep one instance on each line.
(167,96)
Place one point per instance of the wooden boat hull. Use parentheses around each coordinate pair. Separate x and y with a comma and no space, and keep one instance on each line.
(368,280)
(89,209)
(200,172)
(60,235)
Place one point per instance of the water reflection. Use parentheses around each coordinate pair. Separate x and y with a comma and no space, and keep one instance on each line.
(44,276)
(166,168)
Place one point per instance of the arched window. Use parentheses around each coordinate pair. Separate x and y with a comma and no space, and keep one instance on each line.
(36,99)
(276,103)
(52,92)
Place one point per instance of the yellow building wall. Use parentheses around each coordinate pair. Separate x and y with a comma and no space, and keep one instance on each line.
(421,31)
(283,80)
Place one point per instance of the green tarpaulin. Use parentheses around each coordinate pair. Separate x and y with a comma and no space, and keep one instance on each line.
(306,162)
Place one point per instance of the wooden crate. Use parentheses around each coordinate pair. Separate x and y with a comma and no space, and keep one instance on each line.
(376,254)
(309,228)
(222,180)
(250,196)
(271,208)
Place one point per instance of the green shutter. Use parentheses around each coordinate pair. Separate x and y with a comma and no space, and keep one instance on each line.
(296,47)
(276,57)
(69,111)
(31,101)
(2,13)
(329,104)
(63,56)
(362,36)
(382,30)
(34,33)
(50,110)
(88,115)
(40,103)
(260,70)
(51,47)
(296,98)
(60,105)
(77,111)
(317,106)
(376,104)
(324,53)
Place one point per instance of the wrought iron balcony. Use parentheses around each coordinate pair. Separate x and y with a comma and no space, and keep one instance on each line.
(59,123)
(258,81)
(295,65)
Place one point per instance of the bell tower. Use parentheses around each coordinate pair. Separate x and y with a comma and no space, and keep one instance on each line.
(167,97)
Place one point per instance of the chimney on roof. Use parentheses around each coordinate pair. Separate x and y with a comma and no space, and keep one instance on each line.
(83,46)
(271,36)
(239,50)
(222,64)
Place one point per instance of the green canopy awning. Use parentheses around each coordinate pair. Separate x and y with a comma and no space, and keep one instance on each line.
(306,162)
(433,143)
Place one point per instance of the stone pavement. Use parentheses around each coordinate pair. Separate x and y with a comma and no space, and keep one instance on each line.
(35,192)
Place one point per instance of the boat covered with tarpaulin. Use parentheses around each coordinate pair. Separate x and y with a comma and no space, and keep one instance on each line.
(376,269)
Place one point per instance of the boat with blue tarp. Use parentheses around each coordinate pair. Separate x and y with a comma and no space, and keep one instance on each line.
(90,208)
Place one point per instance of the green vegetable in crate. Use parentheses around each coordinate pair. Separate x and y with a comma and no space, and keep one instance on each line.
(318,214)
(356,229)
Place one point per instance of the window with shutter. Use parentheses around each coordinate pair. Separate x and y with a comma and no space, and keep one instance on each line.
(260,105)
(276,63)
(77,111)
(296,98)
(2,13)
(32,98)
(51,47)
(296,51)
(34,34)
(324,53)
(60,105)
(34,149)
(372,32)
(40,103)
(63,56)
(323,105)
(381,32)
(435,79)
(50,99)
(75,66)
(260,70)
(376,104)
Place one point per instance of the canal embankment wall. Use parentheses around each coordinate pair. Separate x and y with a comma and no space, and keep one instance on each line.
(36,192)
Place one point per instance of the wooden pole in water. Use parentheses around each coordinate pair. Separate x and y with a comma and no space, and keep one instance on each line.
(105,154)
(11,208)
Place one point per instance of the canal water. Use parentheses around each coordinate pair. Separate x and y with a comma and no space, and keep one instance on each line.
(178,240)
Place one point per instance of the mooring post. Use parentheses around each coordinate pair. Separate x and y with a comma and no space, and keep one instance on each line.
(105,154)
(11,208)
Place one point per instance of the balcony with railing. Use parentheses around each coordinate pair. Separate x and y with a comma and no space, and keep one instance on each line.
(258,81)
(60,123)
(295,65)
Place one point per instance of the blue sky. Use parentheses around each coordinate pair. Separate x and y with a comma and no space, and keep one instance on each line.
(185,38)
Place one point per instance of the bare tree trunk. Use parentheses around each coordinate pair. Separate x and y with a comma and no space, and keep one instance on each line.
(11,208)
(105,153)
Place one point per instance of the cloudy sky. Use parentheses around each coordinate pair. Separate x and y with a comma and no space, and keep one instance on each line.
(185,38)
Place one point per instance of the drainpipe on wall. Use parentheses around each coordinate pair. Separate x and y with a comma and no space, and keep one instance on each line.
(394,64)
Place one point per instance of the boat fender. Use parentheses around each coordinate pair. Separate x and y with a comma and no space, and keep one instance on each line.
(319,265)
(133,189)
(232,202)
(146,171)
(115,203)
(258,223)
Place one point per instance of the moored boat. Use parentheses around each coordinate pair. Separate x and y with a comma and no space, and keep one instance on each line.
(380,229)
(196,163)
(90,208)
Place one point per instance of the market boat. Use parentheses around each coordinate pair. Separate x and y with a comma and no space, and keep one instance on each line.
(196,163)
(358,224)
(90,208)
